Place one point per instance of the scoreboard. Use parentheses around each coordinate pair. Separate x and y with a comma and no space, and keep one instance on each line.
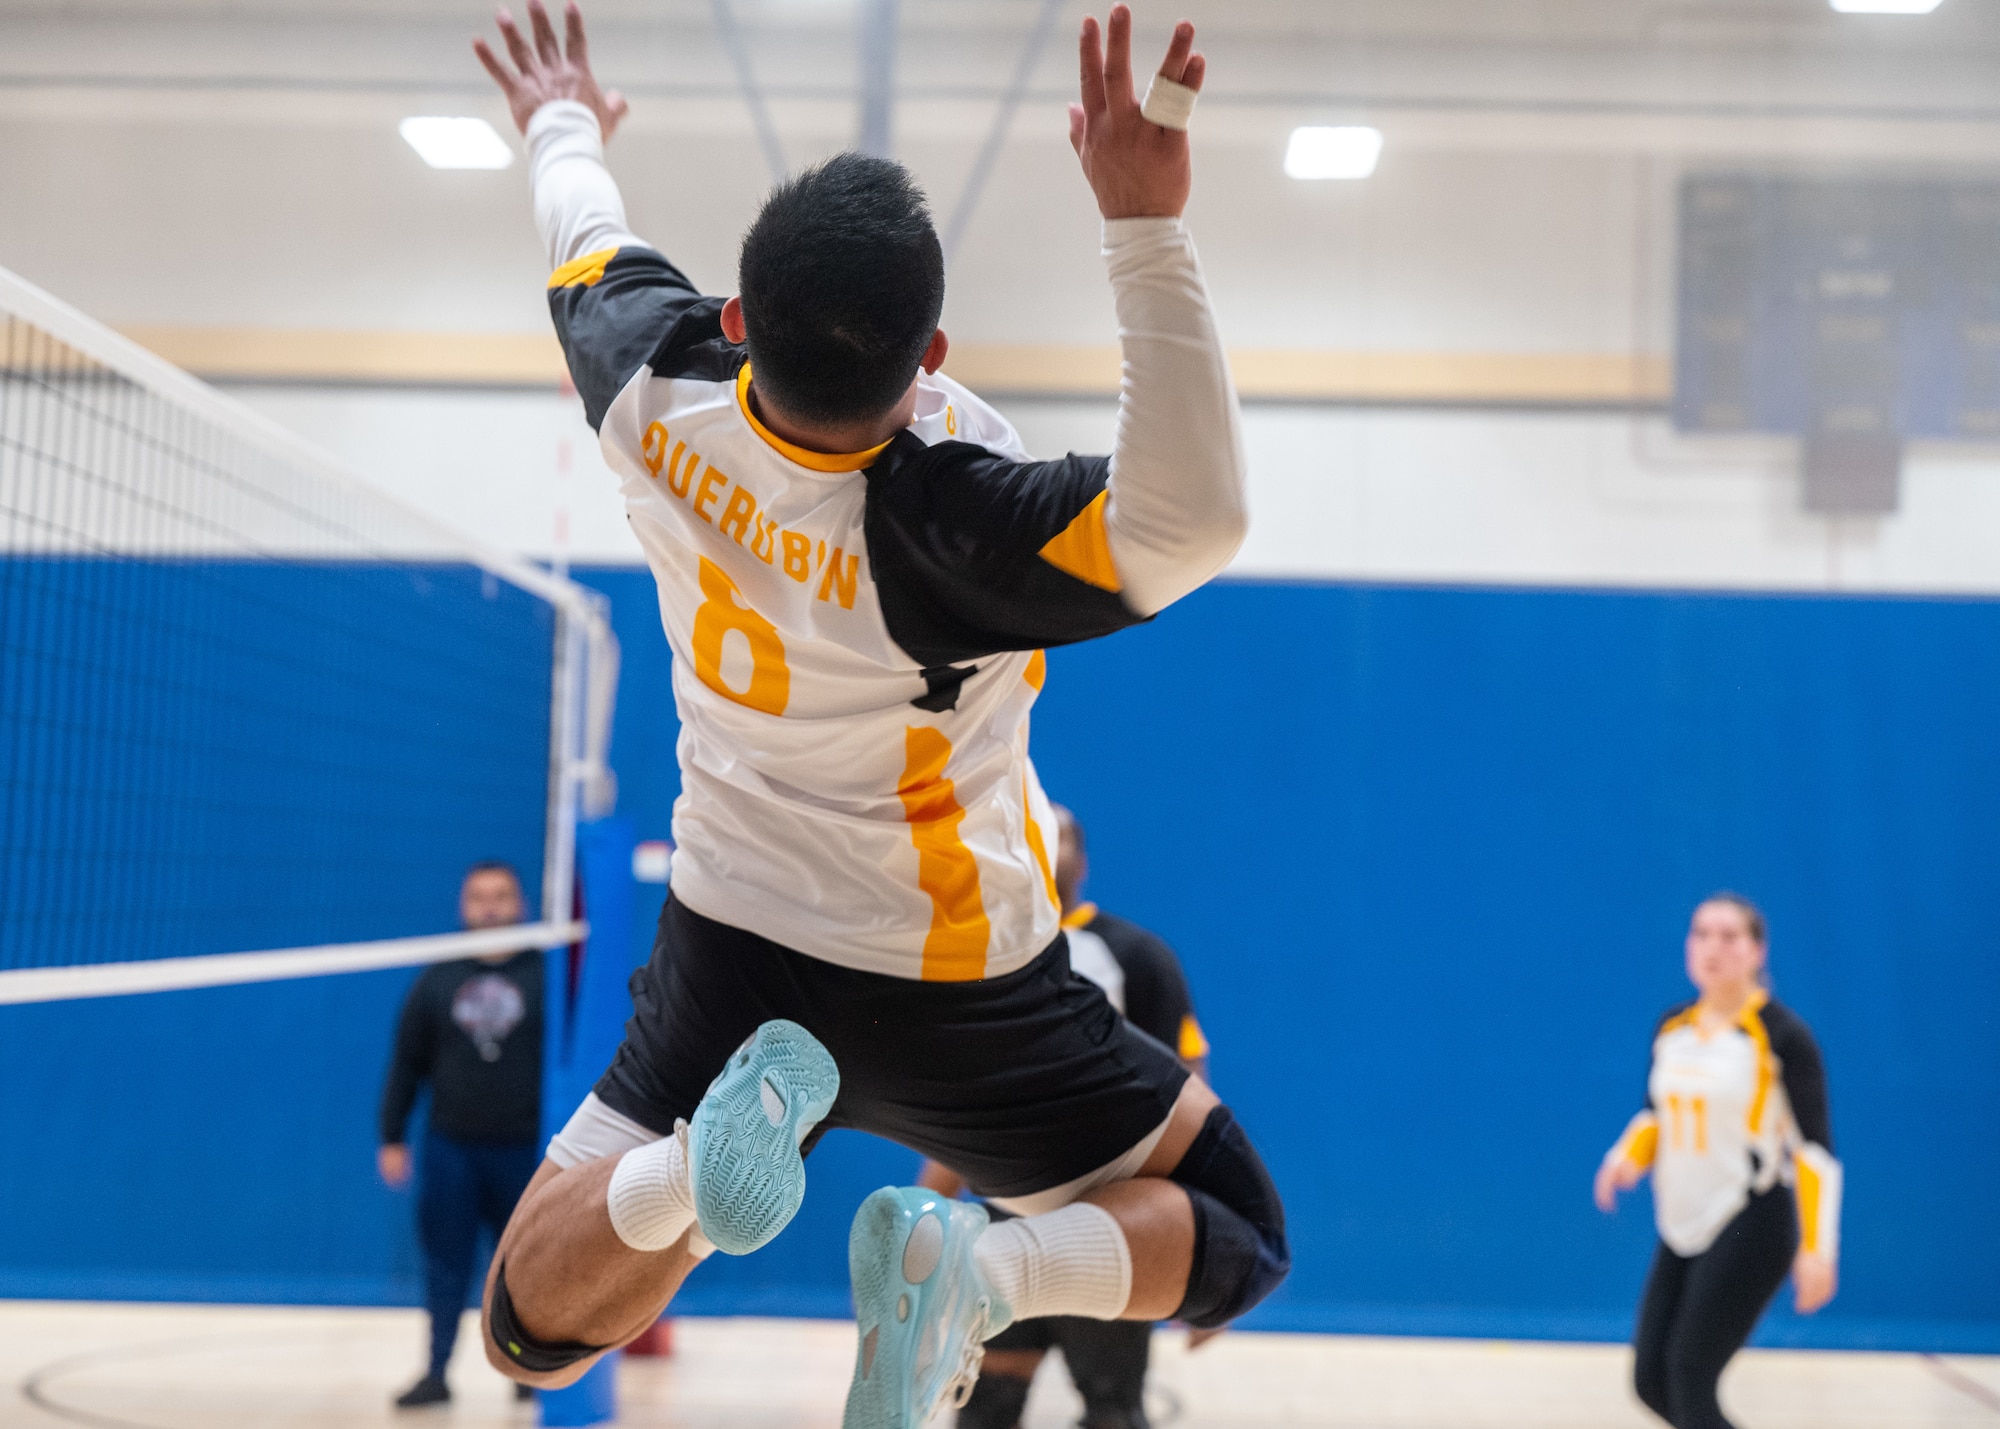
(1839,309)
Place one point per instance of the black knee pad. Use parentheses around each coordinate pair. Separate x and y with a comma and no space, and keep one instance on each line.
(997,1402)
(1240,1252)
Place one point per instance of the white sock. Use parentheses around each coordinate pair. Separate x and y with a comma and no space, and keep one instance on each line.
(651,1199)
(1069,1262)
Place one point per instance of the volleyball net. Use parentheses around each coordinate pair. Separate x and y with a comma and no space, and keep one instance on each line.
(257,713)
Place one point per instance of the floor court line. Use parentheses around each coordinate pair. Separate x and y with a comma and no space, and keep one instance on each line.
(113,1366)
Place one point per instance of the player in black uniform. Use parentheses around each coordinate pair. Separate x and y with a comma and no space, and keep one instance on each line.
(1107,1359)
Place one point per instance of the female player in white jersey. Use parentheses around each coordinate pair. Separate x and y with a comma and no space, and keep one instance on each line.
(858,569)
(1745,1185)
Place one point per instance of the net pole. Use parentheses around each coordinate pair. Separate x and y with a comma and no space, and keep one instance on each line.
(565,767)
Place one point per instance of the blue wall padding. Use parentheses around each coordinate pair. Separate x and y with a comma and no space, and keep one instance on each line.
(1428,854)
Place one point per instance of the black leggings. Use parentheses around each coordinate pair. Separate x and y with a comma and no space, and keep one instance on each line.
(1698,1310)
(1106,1359)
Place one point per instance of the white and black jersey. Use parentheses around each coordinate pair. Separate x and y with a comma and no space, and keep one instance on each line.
(1140,974)
(1732,1113)
(858,637)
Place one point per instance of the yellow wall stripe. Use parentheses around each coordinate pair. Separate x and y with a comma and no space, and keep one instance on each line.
(1081,549)
(587,270)
(955,948)
(533,359)
(1193,1046)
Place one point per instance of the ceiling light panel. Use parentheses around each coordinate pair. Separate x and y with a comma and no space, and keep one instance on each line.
(1342,151)
(447,143)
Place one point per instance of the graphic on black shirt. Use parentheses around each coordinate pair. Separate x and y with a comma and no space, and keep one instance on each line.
(472,1031)
(486,1009)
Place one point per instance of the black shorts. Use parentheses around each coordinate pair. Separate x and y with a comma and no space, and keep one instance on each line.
(1019,1083)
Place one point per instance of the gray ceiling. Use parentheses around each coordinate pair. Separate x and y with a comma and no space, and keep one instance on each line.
(1665,54)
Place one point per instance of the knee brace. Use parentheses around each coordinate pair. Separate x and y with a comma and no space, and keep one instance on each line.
(996,1402)
(1240,1252)
(535,1356)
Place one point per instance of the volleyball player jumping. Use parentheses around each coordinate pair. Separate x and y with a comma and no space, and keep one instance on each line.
(1745,1185)
(858,568)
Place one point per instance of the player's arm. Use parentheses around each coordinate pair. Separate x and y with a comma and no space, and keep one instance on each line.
(615,298)
(1816,1173)
(1628,1160)
(577,204)
(409,1065)
(975,551)
(1175,511)
(1632,1155)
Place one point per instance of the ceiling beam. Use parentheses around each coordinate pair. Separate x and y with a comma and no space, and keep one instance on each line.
(875,33)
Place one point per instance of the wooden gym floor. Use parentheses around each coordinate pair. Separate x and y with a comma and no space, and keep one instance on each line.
(228,1367)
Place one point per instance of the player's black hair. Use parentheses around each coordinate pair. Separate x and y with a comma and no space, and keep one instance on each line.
(842,279)
(494,865)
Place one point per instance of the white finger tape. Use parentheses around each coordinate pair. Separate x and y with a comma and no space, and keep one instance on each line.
(1169,103)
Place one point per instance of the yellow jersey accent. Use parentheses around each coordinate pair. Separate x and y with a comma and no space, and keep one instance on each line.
(810,460)
(1816,1181)
(1193,1045)
(1081,549)
(955,949)
(1079,916)
(1639,1143)
(1037,673)
(1808,1192)
(1037,845)
(586,271)
(1686,1018)
(1750,1022)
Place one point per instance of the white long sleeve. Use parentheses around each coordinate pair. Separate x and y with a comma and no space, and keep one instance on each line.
(578,208)
(1177,511)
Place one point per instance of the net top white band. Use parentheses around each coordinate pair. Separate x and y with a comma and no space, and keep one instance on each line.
(226,969)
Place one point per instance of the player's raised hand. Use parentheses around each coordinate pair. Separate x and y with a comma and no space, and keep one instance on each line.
(546,70)
(1137,168)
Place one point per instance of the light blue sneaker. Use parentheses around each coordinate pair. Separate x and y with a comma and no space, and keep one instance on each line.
(743,1144)
(921,1306)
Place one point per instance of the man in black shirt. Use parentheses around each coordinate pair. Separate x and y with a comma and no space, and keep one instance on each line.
(472,1029)
(1107,1358)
